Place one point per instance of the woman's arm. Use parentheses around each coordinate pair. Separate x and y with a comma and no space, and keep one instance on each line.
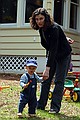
(52,51)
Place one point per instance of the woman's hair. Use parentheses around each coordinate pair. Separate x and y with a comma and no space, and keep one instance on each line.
(48,20)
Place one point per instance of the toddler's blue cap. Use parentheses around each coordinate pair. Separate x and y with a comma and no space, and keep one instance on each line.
(31,62)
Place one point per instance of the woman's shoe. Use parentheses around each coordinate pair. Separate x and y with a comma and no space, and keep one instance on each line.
(53,111)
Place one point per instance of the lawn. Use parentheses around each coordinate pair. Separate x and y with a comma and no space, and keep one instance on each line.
(9,101)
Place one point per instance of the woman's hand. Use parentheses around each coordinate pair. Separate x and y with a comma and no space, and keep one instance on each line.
(70,40)
(46,73)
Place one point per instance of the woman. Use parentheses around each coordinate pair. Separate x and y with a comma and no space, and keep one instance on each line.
(58,50)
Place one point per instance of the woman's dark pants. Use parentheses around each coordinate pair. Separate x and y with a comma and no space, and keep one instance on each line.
(60,69)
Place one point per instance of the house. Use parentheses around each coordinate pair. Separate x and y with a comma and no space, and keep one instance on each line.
(18,41)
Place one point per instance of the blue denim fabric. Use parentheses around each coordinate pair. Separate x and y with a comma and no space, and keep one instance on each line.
(28,95)
(24,99)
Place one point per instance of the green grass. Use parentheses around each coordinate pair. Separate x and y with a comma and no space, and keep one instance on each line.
(9,103)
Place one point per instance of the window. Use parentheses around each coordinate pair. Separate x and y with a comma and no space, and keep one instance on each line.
(31,5)
(8,11)
(17,11)
(73,14)
(58,11)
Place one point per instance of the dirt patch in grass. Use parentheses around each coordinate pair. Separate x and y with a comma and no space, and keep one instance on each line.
(9,76)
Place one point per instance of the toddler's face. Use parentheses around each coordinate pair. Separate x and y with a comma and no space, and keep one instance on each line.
(31,69)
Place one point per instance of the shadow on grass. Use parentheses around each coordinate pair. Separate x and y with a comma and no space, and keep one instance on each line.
(65,117)
(24,118)
(57,116)
(29,118)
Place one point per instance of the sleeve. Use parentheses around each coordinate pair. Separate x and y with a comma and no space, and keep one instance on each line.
(39,79)
(54,39)
(23,80)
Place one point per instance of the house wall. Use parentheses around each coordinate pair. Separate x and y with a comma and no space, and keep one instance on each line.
(23,42)
(20,42)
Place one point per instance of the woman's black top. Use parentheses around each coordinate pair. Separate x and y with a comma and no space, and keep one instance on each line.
(54,40)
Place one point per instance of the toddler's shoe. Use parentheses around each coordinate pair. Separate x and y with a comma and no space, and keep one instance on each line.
(19,115)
